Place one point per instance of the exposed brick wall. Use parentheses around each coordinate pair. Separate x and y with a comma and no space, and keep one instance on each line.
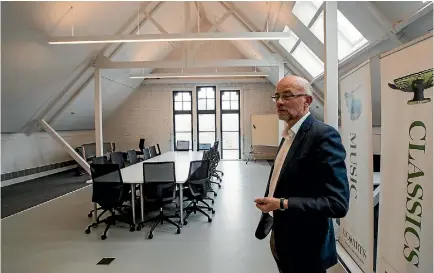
(147,114)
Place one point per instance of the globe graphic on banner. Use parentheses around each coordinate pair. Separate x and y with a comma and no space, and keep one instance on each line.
(354,105)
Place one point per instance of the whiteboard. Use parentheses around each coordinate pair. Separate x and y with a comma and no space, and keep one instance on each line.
(265,130)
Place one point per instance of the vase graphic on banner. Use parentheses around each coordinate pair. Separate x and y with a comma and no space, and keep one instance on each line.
(416,83)
(353,104)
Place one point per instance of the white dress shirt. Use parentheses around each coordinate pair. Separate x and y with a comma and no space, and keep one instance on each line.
(288,134)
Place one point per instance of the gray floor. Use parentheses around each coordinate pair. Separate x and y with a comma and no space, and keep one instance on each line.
(21,196)
(50,238)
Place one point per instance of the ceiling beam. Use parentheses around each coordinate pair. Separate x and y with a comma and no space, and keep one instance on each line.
(272,48)
(419,14)
(159,27)
(275,16)
(102,52)
(33,125)
(393,31)
(105,63)
(383,22)
(303,32)
(214,27)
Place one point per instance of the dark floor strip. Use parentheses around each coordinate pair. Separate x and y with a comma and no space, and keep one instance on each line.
(21,196)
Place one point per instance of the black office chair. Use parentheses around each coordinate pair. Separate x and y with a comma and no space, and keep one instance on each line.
(118,158)
(132,157)
(153,151)
(197,189)
(205,156)
(217,159)
(146,153)
(160,188)
(98,160)
(108,192)
(212,157)
(141,146)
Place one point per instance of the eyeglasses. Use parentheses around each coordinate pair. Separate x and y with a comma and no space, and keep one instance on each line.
(286,96)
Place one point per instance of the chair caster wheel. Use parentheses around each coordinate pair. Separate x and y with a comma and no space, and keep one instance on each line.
(213,211)
(215,194)
(212,201)
(132,229)
(178,231)
(89,215)
(103,237)
(209,220)
(87,231)
(209,209)
(185,222)
(220,186)
(150,236)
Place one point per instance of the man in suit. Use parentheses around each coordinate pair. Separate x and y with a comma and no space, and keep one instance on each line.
(308,184)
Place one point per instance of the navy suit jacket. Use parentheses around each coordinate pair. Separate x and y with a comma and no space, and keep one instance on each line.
(314,180)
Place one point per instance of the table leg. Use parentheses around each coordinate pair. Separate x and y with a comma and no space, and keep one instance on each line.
(181,205)
(133,205)
(142,209)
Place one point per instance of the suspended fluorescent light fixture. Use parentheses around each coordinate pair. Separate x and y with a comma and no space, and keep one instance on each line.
(199,75)
(170,37)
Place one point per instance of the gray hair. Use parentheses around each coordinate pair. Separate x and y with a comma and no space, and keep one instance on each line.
(305,85)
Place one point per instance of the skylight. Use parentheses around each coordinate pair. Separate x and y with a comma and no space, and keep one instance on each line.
(349,38)
(289,44)
(308,60)
(305,10)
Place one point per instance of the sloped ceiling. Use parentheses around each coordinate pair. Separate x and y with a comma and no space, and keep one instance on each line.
(55,82)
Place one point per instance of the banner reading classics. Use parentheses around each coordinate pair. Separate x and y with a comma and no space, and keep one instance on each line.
(357,228)
(405,239)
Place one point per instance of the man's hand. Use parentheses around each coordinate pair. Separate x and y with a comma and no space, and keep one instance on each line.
(267,204)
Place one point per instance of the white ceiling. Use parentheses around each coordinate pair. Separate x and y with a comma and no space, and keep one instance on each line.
(41,80)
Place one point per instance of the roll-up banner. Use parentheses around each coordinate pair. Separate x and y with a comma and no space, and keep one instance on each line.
(405,238)
(357,228)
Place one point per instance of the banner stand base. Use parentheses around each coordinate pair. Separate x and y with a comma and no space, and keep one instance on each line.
(347,260)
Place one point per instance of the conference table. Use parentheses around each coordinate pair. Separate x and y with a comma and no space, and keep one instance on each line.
(133,175)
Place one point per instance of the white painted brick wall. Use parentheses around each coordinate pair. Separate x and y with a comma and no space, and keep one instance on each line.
(19,152)
(257,101)
(147,114)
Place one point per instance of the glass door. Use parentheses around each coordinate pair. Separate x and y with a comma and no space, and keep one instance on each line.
(230,124)
(206,117)
(182,117)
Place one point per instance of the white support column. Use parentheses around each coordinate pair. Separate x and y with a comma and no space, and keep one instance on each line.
(281,74)
(98,112)
(187,29)
(331,80)
(68,147)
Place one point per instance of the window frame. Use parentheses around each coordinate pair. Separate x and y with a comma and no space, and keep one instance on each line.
(230,111)
(182,112)
(202,112)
